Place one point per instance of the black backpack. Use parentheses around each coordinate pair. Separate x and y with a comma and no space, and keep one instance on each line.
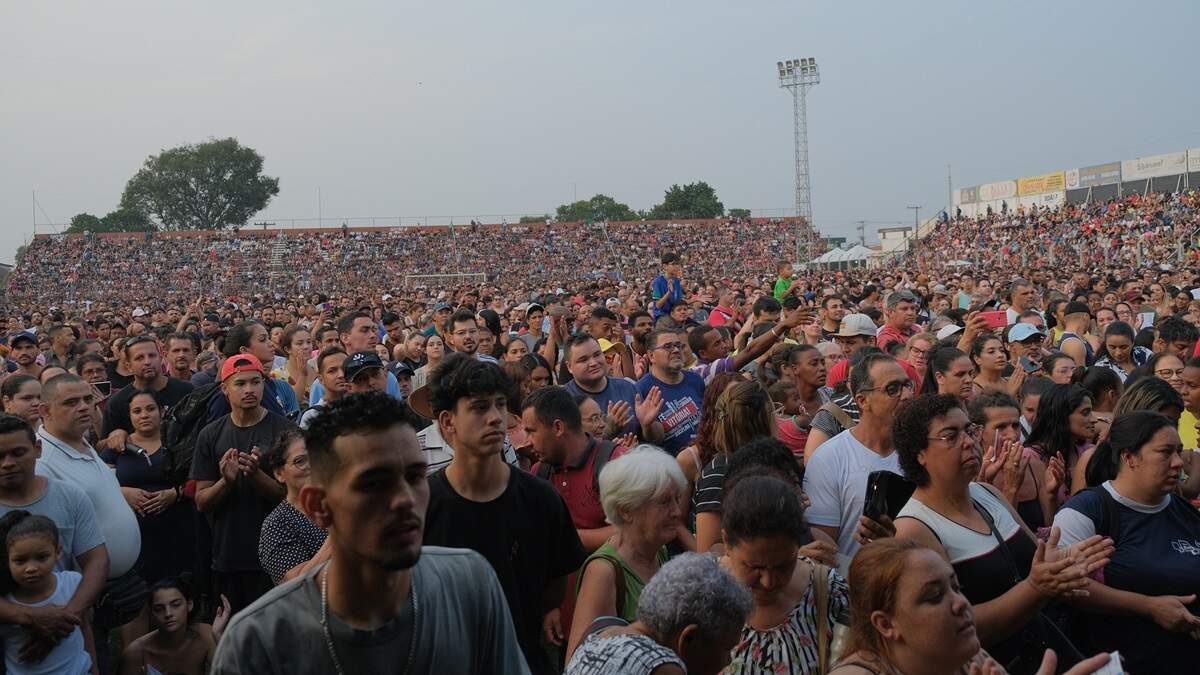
(181,427)
(604,450)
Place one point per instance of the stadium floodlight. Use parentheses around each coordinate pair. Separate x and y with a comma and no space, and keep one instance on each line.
(798,76)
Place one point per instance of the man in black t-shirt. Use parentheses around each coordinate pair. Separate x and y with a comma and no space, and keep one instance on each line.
(145,360)
(514,519)
(232,489)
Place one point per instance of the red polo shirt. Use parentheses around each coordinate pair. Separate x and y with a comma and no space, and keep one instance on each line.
(841,370)
(576,484)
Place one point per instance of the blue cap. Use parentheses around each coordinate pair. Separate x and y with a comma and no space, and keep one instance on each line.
(1021,332)
(441,305)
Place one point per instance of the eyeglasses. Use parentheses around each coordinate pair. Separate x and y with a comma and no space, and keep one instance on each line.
(1167,373)
(299,461)
(893,389)
(954,436)
(671,347)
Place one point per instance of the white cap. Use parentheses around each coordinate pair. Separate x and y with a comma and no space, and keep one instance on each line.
(856,324)
(948,330)
(139,312)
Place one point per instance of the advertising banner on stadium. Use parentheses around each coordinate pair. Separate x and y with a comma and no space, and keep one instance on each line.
(1141,168)
(1005,189)
(1047,182)
(970,195)
(1098,174)
(1072,179)
(1193,160)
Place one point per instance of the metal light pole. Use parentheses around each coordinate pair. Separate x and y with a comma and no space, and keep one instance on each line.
(797,76)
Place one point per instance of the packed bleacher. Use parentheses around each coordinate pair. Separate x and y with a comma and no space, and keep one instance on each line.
(632,448)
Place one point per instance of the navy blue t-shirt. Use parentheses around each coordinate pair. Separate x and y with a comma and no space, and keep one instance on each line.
(615,389)
(680,414)
(1157,553)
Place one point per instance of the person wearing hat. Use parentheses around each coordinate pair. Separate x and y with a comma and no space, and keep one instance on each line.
(441,312)
(232,488)
(24,352)
(404,376)
(1072,343)
(1024,341)
(364,372)
(901,314)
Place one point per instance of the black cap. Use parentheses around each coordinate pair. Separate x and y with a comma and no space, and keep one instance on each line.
(401,369)
(1076,307)
(358,362)
(20,336)
(213,318)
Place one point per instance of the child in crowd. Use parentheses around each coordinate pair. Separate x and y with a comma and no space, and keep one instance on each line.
(176,645)
(31,550)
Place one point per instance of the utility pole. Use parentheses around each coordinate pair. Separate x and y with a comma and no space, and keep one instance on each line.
(862,232)
(949,192)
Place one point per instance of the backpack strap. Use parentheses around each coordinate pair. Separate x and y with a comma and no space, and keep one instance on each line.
(838,414)
(543,470)
(1110,518)
(604,451)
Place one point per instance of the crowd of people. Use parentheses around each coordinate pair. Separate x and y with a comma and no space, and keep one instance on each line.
(75,270)
(729,465)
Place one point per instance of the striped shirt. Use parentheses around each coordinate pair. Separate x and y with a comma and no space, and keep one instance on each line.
(710,369)
(620,654)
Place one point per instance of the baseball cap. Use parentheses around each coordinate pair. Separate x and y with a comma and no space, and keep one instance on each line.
(21,336)
(939,289)
(387,296)
(951,329)
(853,325)
(522,307)
(1076,307)
(359,362)
(401,369)
(139,312)
(442,305)
(612,302)
(1020,332)
(898,297)
(213,318)
(242,363)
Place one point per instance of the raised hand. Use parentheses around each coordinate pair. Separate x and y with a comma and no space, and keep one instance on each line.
(619,414)
(647,410)
(1055,474)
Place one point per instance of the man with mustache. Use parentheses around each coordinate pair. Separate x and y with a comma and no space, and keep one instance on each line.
(145,360)
(383,603)
(233,490)
(514,519)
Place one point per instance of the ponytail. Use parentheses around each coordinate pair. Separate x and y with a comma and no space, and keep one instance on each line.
(1102,466)
(1128,434)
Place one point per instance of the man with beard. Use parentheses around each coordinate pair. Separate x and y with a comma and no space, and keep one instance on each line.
(181,356)
(463,333)
(381,594)
(144,359)
(24,351)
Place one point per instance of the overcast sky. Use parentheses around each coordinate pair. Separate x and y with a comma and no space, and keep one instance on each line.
(476,109)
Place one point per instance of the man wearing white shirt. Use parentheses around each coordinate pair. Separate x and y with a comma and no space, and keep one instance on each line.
(835,475)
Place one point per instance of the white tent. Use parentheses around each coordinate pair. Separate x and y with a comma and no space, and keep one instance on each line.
(845,257)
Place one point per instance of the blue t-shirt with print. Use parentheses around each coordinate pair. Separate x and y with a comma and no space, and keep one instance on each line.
(680,414)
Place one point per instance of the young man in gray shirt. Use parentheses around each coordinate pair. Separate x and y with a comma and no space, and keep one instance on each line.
(382,601)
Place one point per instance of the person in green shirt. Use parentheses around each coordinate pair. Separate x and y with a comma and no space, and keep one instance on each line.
(785,284)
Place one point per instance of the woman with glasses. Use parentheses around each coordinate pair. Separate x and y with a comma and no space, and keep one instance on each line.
(1004,571)
(1168,368)
(288,538)
(1059,367)
(165,516)
(1118,353)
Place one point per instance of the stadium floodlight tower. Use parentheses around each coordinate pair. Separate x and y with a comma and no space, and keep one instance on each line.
(797,76)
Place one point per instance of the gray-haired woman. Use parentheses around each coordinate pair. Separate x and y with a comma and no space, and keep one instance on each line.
(689,617)
(642,493)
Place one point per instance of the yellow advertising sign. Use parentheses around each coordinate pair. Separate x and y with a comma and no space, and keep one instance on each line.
(1047,182)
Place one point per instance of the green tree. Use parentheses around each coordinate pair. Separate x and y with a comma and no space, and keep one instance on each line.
(84,222)
(694,200)
(739,213)
(598,208)
(207,186)
(121,220)
(535,219)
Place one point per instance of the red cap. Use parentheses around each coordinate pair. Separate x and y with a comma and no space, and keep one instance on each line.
(242,363)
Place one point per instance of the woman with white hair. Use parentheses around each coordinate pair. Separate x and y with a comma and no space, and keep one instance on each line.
(642,494)
(689,618)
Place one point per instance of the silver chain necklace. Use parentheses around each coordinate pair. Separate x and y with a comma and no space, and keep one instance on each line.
(412,640)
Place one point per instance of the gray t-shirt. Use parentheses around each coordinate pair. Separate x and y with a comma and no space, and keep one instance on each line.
(73,514)
(463,626)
